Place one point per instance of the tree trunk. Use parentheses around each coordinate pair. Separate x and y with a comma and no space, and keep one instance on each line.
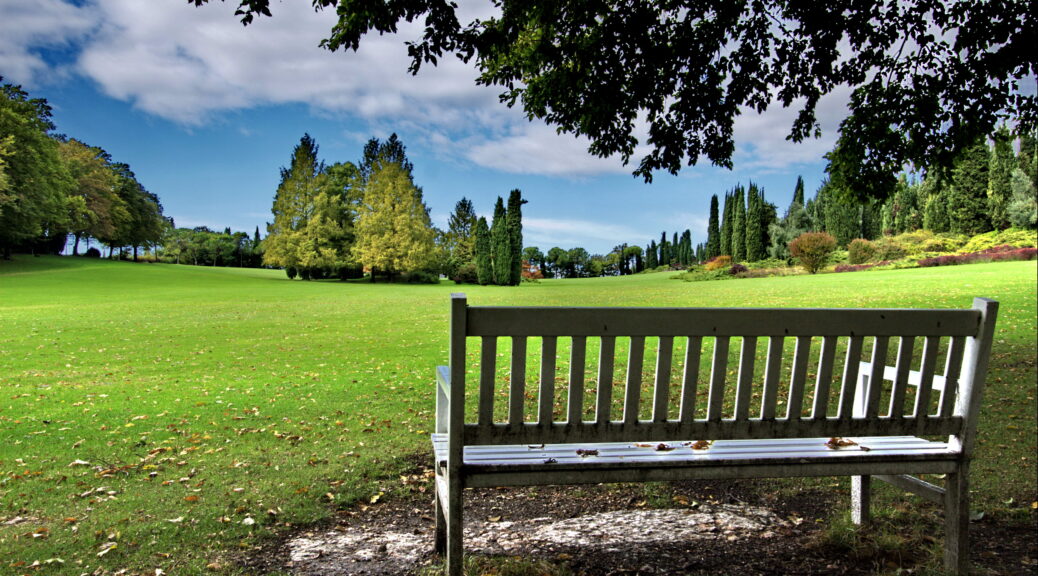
(75,245)
(135,253)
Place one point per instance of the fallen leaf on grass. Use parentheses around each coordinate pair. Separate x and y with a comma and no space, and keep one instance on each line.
(78,462)
(106,548)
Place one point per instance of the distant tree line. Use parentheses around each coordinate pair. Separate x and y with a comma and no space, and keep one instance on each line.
(54,189)
(201,246)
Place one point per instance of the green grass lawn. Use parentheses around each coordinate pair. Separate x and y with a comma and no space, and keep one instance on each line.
(160,416)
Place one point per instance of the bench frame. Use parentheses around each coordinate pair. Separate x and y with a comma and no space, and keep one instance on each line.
(761,444)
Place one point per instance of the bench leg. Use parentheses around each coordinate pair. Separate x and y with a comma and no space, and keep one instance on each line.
(956,523)
(454,528)
(861,499)
(440,543)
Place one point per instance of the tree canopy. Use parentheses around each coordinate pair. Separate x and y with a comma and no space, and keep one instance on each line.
(928,77)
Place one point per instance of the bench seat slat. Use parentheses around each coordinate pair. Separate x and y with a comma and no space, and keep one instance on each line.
(548,321)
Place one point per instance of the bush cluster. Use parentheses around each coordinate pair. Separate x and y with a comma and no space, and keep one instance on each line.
(994,254)
(860,251)
(859,267)
(812,249)
(719,263)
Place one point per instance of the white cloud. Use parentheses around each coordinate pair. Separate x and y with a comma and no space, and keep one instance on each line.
(570,233)
(28,27)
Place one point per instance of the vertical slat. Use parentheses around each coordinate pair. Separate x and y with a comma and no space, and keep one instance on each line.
(747,360)
(926,368)
(517,386)
(690,379)
(456,409)
(879,361)
(798,377)
(904,367)
(718,371)
(848,388)
(633,394)
(577,359)
(824,381)
(661,398)
(772,373)
(546,398)
(487,373)
(607,352)
(951,375)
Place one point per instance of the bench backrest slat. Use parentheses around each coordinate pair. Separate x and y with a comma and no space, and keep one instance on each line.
(846,395)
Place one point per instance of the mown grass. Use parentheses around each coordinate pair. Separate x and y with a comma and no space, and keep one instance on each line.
(159,416)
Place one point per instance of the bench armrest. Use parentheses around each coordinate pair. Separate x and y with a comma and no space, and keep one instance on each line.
(443,398)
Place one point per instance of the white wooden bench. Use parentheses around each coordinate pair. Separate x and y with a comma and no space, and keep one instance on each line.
(804,377)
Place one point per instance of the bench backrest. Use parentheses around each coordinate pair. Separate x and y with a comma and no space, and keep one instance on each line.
(797,373)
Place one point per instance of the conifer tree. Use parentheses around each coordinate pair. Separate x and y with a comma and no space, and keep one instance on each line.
(1000,172)
(713,231)
(665,255)
(394,233)
(484,260)
(726,226)
(651,257)
(798,192)
(501,245)
(738,224)
(967,198)
(515,234)
(293,205)
(755,226)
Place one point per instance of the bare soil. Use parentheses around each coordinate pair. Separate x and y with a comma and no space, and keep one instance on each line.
(738,527)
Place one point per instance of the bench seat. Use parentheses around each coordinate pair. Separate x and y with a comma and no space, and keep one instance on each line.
(485,465)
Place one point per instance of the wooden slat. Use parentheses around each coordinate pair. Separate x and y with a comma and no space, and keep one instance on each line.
(904,366)
(824,380)
(718,373)
(879,360)
(798,378)
(849,384)
(577,360)
(690,379)
(661,392)
(744,386)
(952,371)
(548,321)
(487,374)
(517,385)
(607,354)
(772,374)
(546,397)
(926,377)
(633,392)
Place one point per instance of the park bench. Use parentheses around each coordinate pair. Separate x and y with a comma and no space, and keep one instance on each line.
(734,393)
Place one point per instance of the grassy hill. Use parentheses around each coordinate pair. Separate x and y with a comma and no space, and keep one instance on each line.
(158,416)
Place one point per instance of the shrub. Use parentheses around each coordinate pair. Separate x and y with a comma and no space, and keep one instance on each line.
(859,267)
(994,254)
(351,272)
(422,277)
(92,253)
(531,273)
(719,263)
(737,269)
(291,272)
(1014,237)
(860,251)
(812,250)
(466,274)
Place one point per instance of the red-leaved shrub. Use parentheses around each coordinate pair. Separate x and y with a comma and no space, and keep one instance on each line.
(812,249)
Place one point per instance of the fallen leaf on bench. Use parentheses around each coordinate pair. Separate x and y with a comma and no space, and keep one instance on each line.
(550,461)
(701,444)
(585,453)
(661,447)
(643,445)
(837,443)
(535,447)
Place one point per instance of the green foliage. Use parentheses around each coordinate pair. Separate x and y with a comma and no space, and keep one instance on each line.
(738,224)
(756,226)
(514,225)
(860,251)
(651,256)
(812,250)
(461,236)
(394,233)
(713,231)
(782,232)
(1000,191)
(1015,237)
(1022,210)
(484,259)
(501,245)
(967,198)
(726,225)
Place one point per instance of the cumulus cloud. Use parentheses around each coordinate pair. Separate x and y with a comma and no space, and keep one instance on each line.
(28,28)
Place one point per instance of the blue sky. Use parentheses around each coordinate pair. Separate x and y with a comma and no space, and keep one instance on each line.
(206,111)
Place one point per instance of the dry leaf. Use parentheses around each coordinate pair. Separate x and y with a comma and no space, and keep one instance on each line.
(585,453)
(836,443)
(701,444)
(663,447)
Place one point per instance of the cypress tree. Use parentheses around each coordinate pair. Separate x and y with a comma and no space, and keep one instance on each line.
(501,245)
(484,262)
(515,234)
(651,260)
(675,249)
(726,227)
(967,198)
(798,192)
(738,225)
(713,231)
(664,250)
(1000,191)
(755,225)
